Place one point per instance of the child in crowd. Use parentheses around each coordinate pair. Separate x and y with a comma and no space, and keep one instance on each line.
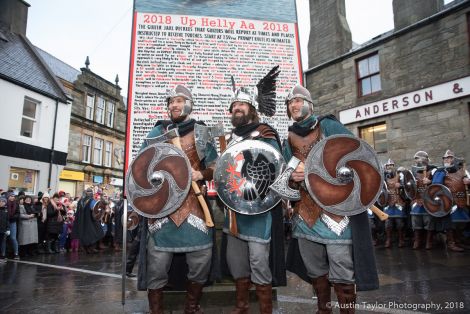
(73,243)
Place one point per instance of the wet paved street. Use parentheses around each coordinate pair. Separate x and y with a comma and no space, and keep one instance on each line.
(79,283)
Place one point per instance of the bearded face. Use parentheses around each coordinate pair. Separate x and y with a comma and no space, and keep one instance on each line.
(175,109)
(243,113)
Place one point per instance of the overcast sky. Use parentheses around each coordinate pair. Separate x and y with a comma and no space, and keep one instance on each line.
(72,30)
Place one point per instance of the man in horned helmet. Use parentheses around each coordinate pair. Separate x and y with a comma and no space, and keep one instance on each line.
(330,258)
(254,251)
(184,230)
(455,177)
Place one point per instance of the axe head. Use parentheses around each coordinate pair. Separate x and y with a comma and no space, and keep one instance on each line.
(204,135)
(281,185)
(166,137)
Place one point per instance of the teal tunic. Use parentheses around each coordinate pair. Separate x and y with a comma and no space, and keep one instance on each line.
(192,234)
(319,232)
(256,228)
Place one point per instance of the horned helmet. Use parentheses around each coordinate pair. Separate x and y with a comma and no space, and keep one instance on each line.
(299,91)
(180,90)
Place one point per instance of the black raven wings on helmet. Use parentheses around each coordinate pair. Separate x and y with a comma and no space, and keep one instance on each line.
(266,96)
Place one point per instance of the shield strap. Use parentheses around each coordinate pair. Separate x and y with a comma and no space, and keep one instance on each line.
(454,181)
(190,204)
(306,207)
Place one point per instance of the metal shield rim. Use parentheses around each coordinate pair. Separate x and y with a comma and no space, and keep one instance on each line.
(406,173)
(449,195)
(219,167)
(180,201)
(376,164)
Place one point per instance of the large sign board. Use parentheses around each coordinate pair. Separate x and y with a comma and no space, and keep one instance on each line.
(201,44)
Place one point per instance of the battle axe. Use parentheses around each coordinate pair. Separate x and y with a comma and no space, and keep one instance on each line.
(281,185)
(205,134)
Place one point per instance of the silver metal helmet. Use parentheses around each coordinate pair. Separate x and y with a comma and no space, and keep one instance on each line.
(180,90)
(421,157)
(299,91)
(448,153)
(243,94)
(389,162)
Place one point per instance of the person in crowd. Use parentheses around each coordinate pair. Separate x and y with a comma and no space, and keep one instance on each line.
(254,249)
(86,228)
(326,249)
(14,215)
(27,228)
(40,208)
(133,252)
(395,209)
(422,223)
(4,227)
(454,177)
(55,221)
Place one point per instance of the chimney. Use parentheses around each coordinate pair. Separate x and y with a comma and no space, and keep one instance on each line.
(406,12)
(330,36)
(14,13)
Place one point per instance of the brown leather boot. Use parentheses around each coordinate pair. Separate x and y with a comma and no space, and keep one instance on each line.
(155,297)
(243,293)
(346,294)
(417,239)
(388,239)
(322,289)
(193,295)
(429,238)
(401,237)
(451,242)
(265,298)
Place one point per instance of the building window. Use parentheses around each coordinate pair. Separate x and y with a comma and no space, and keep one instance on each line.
(110,114)
(86,148)
(29,117)
(368,72)
(22,180)
(107,154)
(98,152)
(90,106)
(100,110)
(375,136)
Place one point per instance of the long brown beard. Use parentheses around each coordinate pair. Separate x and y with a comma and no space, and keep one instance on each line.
(245,118)
(178,119)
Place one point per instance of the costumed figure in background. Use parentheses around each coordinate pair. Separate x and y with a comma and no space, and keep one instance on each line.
(395,208)
(455,178)
(163,185)
(86,228)
(421,221)
(252,244)
(326,249)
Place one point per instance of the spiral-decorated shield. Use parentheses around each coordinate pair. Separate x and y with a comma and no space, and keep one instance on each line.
(158,180)
(243,174)
(409,185)
(98,208)
(343,175)
(133,220)
(437,200)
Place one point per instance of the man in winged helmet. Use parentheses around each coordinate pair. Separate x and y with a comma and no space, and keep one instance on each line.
(251,239)
(184,230)
(455,177)
(319,253)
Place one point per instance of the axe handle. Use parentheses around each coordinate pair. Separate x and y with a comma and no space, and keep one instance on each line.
(232,221)
(200,198)
(222,143)
(382,216)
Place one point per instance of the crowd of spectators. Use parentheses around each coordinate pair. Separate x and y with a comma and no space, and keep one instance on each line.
(44,223)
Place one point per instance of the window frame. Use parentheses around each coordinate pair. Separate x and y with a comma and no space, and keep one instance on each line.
(360,79)
(109,119)
(100,149)
(100,112)
(108,156)
(85,136)
(361,129)
(34,120)
(90,110)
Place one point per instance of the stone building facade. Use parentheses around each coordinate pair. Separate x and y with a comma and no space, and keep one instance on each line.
(408,89)
(97,130)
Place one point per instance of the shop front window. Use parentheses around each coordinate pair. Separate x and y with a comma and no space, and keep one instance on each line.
(21,179)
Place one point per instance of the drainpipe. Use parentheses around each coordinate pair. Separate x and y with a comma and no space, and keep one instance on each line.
(53,143)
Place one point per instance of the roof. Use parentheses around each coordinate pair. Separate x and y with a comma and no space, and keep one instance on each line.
(21,64)
(58,67)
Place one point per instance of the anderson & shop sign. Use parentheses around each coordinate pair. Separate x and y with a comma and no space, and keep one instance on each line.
(419,98)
